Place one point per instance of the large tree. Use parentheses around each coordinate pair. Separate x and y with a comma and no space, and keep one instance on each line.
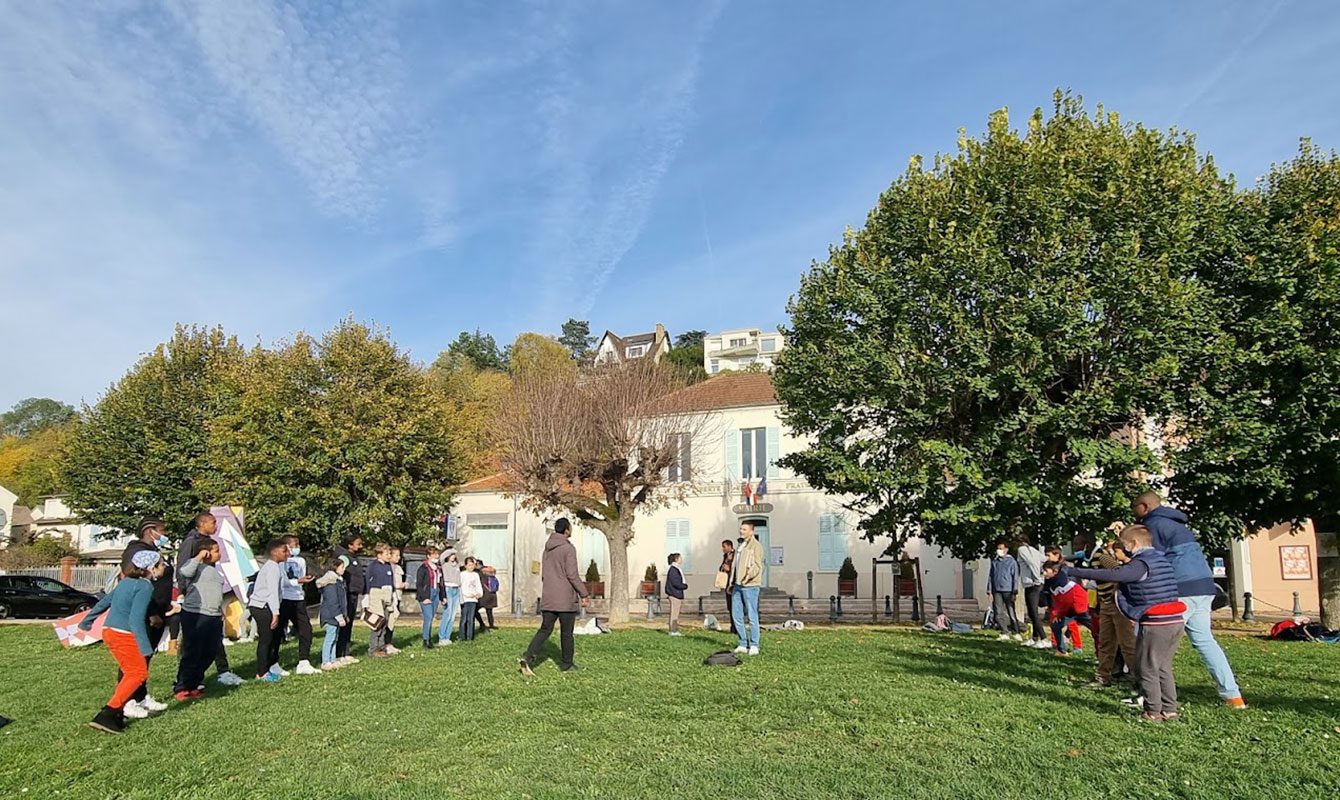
(30,465)
(333,436)
(599,446)
(143,449)
(34,414)
(480,349)
(977,359)
(1262,426)
(578,339)
(533,353)
(687,355)
(473,399)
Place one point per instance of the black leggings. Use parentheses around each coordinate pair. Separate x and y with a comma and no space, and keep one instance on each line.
(1033,602)
(347,632)
(267,640)
(295,611)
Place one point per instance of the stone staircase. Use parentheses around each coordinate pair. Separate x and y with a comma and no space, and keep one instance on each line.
(776,606)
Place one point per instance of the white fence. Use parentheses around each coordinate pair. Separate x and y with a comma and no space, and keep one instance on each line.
(85,579)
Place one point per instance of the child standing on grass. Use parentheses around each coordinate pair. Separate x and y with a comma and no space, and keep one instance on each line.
(428,591)
(381,596)
(1002,585)
(451,601)
(674,588)
(1147,594)
(201,617)
(334,606)
(1070,606)
(266,595)
(398,584)
(471,590)
(126,634)
(488,576)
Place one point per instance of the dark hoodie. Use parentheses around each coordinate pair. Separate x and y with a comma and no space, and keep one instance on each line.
(354,581)
(562,584)
(1178,544)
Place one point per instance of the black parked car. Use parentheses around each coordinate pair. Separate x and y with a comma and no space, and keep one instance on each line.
(28,596)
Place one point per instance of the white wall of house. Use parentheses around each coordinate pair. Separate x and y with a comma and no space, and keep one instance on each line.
(53,518)
(7,502)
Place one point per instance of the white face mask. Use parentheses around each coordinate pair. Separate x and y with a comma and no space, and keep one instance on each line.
(1002,553)
(294,550)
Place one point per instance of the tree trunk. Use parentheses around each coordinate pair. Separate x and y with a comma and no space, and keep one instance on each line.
(1328,579)
(618,539)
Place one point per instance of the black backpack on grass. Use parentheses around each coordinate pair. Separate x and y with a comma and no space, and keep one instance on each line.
(722,658)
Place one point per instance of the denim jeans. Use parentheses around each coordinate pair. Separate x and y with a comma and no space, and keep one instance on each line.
(468,621)
(429,607)
(1197,618)
(744,601)
(328,646)
(452,606)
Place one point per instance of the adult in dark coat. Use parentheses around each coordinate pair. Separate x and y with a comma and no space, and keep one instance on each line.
(355,585)
(563,594)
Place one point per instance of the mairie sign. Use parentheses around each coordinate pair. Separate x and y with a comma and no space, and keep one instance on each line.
(757,508)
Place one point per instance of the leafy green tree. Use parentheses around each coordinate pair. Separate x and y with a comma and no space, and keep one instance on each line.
(687,355)
(35,414)
(974,361)
(321,438)
(30,465)
(1262,428)
(480,349)
(474,399)
(143,449)
(578,339)
(533,353)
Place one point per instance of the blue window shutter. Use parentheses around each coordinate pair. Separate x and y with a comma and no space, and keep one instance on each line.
(840,540)
(677,541)
(684,545)
(774,450)
(733,454)
(825,542)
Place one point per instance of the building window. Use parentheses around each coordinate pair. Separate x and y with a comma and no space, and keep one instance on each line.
(738,342)
(677,541)
(716,367)
(832,542)
(769,345)
(713,344)
(489,544)
(637,351)
(681,470)
(753,453)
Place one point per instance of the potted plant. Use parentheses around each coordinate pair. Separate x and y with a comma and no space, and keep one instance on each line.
(651,585)
(594,584)
(847,579)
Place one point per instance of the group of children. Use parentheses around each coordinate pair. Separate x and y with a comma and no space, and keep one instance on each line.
(276,605)
(1140,612)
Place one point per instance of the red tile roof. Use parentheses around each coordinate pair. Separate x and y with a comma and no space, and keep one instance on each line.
(496,482)
(727,390)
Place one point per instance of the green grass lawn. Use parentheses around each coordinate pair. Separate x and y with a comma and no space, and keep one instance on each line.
(823,713)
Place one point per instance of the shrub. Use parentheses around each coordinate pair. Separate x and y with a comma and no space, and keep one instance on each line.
(592,572)
(848,570)
(45,552)
(650,575)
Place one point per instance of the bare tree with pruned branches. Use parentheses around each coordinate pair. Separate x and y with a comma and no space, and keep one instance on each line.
(602,446)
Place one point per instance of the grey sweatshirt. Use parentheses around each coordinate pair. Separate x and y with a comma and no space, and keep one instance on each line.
(201,588)
(268,588)
(1030,559)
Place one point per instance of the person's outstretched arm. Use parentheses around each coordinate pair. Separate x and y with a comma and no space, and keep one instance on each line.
(1129,572)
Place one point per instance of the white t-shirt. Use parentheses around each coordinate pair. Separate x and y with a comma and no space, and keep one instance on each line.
(294,569)
(471,587)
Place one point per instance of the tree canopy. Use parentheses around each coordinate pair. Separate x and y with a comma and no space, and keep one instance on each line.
(977,360)
(687,355)
(34,414)
(576,337)
(480,349)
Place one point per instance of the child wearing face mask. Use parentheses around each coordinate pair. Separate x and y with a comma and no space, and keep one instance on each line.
(1002,586)
(451,605)
(293,606)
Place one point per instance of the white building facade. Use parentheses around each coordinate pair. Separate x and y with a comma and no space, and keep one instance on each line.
(803,530)
(741,348)
(54,519)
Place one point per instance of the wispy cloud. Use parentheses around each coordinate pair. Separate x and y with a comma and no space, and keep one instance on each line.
(591,221)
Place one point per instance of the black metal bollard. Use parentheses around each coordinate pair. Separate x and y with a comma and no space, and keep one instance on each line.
(658,605)
(939,605)
(839,605)
(537,606)
(1297,605)
(791,606)
(888,606)
(809,580)
(1248,614)
(700,606)
(916,608)
(832,608)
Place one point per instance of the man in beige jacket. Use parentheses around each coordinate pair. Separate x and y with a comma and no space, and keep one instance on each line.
(746,578)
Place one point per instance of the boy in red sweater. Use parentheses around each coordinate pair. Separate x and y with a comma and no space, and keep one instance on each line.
(1070,606)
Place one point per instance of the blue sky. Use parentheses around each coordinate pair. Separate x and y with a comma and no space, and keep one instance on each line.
(435,166)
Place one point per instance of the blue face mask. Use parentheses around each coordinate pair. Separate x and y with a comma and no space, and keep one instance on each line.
(161,541)
(294,550)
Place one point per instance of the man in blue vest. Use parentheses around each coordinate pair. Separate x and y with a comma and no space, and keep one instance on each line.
(1195,586)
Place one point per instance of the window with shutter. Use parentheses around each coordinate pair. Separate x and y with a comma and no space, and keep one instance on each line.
(677,541)
(595,546)
(832,542)
(682,469)
(733,454)
(774,451)
(489,544)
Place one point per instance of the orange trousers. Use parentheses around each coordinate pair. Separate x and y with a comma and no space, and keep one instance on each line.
(134,667)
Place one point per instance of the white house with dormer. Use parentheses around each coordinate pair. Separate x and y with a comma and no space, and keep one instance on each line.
(803,530)
(616,349)
(740,349)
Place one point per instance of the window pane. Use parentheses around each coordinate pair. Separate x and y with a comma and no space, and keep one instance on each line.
(761,452)
(746,454)
(769,345)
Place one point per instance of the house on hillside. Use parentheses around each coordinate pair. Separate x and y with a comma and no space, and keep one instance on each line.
(653,345)
(740,349)
(803,530)
(53,518)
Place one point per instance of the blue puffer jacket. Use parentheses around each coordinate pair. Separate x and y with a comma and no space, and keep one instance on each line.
(1004,575)
(1178,544)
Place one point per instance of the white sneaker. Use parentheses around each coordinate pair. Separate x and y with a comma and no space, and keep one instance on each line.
(134,710)
(1042,644)
(229,679)
(280,671)
(1017,638)
(392,650)
(1139,702)
(740,650)
(229,642)
(444,643)
(347,660)
(330,665)
(306,668)
(152,705)
(753,651)
(1003,638)
(676,633)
